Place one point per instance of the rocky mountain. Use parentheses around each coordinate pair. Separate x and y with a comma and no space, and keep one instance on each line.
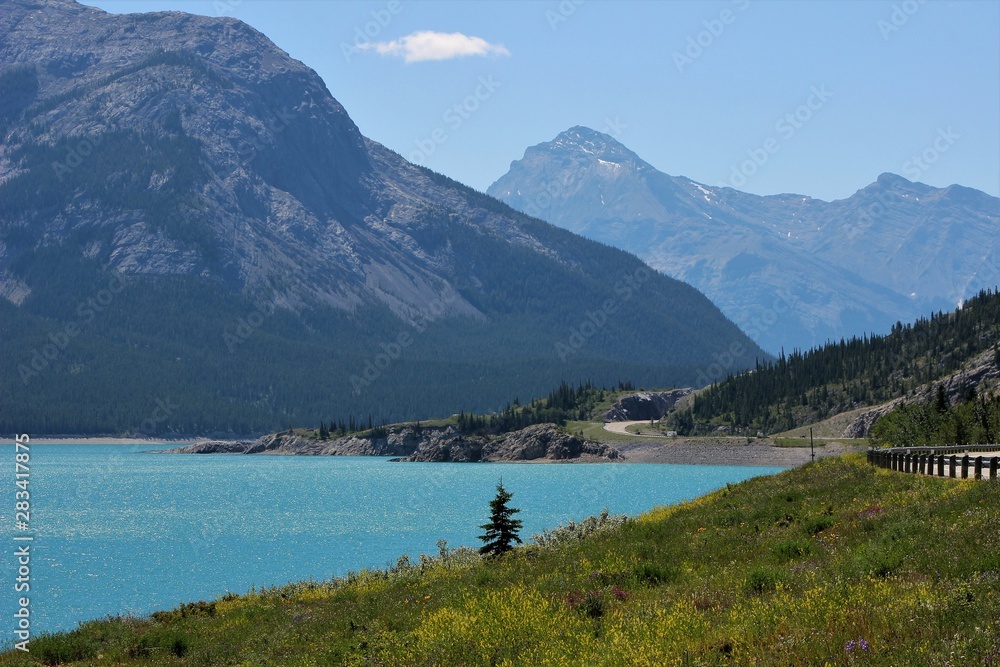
(645,405)
(411,443)
(792,271)
(196,238)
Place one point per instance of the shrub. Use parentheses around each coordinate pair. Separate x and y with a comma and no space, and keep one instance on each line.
(818,525)
(589,603)
(793,549)
(654,574)
(881,560)
(577,531)
(59,649)
(761,580)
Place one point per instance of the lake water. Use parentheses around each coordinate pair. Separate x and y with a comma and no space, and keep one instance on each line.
(117,531)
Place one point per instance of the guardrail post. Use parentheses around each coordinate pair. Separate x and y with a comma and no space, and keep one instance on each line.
(965,467)
(906,462)
(940,471)
(994,464)
(953,461)
(979,467)
(922,469)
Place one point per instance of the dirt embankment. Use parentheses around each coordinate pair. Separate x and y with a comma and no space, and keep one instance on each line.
(723,451)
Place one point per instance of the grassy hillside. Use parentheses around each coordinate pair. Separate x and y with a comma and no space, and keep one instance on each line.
(833,563)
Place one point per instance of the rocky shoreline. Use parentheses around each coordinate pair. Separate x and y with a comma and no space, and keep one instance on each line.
(413,443)
(542,443)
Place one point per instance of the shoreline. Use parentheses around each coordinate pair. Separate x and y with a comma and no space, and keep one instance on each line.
(675,451)
(99,440)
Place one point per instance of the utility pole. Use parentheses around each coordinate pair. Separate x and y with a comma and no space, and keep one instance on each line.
(812,450)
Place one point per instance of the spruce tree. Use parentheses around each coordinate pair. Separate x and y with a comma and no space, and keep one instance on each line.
(502,530)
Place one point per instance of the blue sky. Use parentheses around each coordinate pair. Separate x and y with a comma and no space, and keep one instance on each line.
(816,98)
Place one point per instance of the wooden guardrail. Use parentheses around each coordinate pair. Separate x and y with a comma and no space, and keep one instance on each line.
(956,462)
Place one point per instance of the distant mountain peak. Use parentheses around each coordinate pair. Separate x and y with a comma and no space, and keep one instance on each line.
(583,140)
(889,179)
(792,270)
(584,134)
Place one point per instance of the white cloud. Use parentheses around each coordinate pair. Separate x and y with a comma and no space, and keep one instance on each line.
(430,45)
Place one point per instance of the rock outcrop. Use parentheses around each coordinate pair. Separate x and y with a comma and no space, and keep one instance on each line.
(981,374)
(645,405)
(538,442)
(414,443)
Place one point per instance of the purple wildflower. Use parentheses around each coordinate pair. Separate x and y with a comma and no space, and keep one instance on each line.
(860,644)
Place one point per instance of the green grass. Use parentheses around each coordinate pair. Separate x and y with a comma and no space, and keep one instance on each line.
(656,430)
(594,430)
(793,569)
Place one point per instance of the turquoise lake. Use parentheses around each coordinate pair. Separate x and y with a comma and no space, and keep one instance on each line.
(119,531)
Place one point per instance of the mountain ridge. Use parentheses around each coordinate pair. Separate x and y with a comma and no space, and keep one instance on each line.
(791,270)
(281,267)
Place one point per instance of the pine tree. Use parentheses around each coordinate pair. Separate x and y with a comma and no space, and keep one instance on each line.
(502,530)
(941,400)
